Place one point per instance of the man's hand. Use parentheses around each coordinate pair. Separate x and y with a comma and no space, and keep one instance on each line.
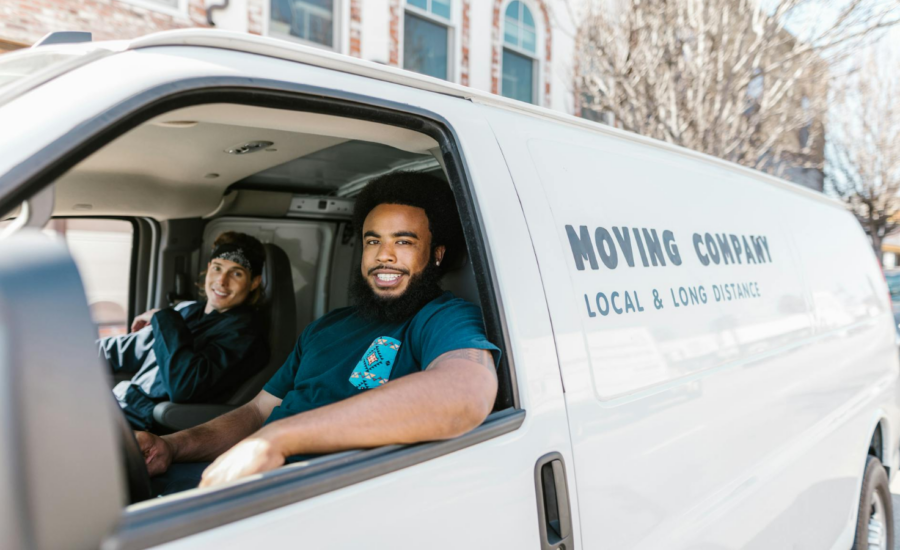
(254,455)
(142,320)
(157,452)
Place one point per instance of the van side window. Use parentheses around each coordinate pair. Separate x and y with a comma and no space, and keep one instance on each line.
(102,250)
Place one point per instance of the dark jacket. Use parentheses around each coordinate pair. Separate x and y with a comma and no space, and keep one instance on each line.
(185,356)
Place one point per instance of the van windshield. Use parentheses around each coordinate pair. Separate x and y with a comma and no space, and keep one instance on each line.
(22,70)
(16,67)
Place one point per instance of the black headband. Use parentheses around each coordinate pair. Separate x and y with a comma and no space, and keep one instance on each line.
(234,253)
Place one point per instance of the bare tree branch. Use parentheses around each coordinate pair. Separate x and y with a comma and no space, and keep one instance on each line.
(863,161)
(725,77)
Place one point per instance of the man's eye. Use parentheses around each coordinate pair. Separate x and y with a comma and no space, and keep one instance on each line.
(372,241)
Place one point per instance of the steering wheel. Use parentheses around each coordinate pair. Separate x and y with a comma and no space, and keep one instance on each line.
(135,468)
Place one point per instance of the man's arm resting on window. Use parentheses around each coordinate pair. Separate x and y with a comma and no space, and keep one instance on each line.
(205,442)
(451,397)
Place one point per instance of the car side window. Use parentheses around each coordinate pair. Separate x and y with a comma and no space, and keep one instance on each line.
(102,250)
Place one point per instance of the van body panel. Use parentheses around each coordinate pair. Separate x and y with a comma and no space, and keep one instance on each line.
(701,416)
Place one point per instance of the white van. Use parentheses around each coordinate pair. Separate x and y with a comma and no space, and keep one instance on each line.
(696,355)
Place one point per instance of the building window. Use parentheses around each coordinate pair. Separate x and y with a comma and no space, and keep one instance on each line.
(309,20)
(519,54)
(426,37)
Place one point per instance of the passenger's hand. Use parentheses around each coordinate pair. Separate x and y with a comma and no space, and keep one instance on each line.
(142,320)
(253,455)
(157,452)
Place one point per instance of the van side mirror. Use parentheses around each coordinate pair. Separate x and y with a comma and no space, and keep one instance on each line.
(61,478)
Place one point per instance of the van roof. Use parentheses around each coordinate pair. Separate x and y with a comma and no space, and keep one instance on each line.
(292,51)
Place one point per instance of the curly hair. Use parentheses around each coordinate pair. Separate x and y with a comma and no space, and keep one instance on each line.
(254,251)
(421,191)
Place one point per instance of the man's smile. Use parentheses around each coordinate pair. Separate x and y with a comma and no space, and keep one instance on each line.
(386,278)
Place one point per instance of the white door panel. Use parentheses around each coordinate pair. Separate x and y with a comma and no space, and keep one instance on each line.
(480,497)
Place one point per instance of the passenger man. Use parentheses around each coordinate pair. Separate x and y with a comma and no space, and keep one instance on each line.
(407,363)
(196,352)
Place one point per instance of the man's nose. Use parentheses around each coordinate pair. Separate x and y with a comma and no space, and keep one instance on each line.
(386,254)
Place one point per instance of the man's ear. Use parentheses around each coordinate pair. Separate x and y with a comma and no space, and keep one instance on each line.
(439,253)
(254,284)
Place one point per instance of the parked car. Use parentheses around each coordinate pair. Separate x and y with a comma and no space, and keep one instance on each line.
(695,355)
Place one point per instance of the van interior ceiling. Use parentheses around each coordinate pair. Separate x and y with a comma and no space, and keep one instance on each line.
(185,163)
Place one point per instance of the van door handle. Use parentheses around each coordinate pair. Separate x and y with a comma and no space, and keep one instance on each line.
(554,513)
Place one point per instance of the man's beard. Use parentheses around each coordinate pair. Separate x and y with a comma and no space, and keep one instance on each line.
(421,289)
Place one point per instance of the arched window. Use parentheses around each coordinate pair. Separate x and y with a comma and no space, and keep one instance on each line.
(520,59)
(427,37)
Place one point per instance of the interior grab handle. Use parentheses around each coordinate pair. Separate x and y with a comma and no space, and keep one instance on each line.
(554,512)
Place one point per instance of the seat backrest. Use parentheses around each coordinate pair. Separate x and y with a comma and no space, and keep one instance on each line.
(279,314)
(460,280)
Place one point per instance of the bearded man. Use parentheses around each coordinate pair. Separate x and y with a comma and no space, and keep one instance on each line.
(407,363)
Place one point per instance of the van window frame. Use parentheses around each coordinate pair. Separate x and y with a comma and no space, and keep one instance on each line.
(171,521)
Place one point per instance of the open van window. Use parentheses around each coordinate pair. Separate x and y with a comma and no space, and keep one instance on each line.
(290,178)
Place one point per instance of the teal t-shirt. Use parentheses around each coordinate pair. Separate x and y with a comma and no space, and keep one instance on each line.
(341,354)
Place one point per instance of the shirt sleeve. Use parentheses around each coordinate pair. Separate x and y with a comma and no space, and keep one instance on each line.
(283,380)
(107,350)
(455,325)
(125,353)
(189,374)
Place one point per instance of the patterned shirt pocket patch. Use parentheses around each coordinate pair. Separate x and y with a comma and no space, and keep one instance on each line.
(374,369)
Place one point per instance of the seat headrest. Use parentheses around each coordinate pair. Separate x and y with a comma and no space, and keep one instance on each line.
(279,314)
(276,273)
(456,261)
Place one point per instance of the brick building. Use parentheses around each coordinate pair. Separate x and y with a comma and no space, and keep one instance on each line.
(518,48)
(23,22)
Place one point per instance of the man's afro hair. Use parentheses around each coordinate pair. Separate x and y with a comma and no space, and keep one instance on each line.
(422,191)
